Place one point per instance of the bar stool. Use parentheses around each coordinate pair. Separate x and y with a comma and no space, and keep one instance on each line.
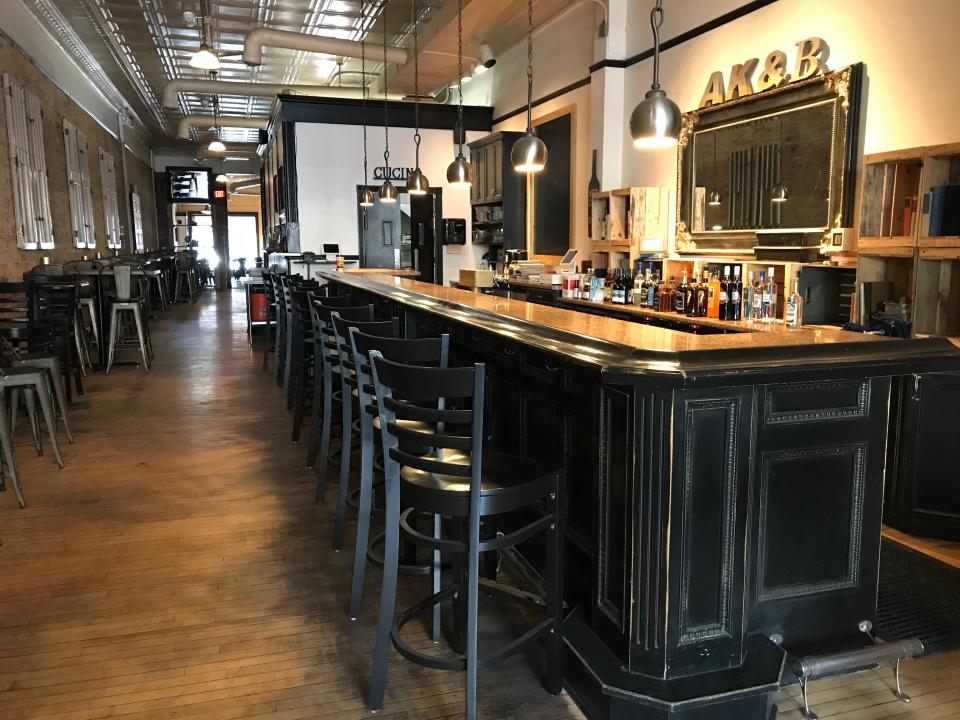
(462,481)
(49,362)
(350,395)
(302,360)
(9,457)
(281,342)
(319,307)
(294,334)
(326,346)
(124,303)
(186,279)
(269,341)
(33,383)
(430,352)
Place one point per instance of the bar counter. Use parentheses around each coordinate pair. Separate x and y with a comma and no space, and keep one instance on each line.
(723,492)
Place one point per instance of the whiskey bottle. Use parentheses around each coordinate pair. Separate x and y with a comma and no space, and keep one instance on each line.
(703,296)
(680,298)
(725,294)
(793,312)
(735,290)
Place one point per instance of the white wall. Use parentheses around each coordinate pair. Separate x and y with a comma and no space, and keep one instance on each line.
(910,97)
(330,166)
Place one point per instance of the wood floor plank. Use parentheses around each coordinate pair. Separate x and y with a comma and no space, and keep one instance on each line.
(178,569)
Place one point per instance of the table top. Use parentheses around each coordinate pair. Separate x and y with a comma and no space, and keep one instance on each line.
(109,271)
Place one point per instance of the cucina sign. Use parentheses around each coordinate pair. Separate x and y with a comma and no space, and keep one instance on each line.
(812,55)
(393,173)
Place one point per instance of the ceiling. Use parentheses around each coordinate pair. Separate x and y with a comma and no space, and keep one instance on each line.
(139,45)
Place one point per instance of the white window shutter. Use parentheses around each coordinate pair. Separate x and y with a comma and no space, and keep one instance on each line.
(75,184)
(20,166)
(44,219)
(83,152)
(111,205)
(137,220)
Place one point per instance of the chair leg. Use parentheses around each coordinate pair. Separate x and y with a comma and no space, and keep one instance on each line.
(78,341)
(114,329)
(13,408)
(49,418)
(287,367)
(56,382)
(176,290)
(144,352)
(553,577)
(363,516)
(299,398)
(473,601)
(93,325)
(388,590)
(315,411)
(436,578)
(346,442)
(6,445)
(324,459)
(268,335)
(31,402)
(280,355)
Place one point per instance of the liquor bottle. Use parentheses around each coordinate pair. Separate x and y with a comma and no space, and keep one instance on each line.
(736,291)
(748,297)
(669,295)
(725,294)
(713,296)
(703,296)
(757,309)
(773,290)
(617,292)
(690,302)
(628,287)
(652,290)
(593,187)
(793,312)
(680,298)
(638,286)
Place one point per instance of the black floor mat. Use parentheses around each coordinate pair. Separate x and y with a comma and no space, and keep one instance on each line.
(919,597)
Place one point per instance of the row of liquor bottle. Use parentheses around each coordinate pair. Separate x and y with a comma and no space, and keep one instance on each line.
(707,294)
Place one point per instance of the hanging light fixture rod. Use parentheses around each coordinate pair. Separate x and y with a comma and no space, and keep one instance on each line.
(388,193)
(417,183)
(529,154)
(655,122)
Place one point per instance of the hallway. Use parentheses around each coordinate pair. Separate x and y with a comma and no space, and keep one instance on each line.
(178,568)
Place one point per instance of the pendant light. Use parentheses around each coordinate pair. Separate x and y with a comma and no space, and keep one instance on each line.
(387,193)
(655,122)
(205,58)
(779,193)
(529,154)
(366,198)
(460,171)
(714,197)
(216,145)
(417,183)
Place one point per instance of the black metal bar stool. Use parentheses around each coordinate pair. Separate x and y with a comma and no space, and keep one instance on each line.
(350,396)
(428,352)
(462,481)
(270,336)
(326,345)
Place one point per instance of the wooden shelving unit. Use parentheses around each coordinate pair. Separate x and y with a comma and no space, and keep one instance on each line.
(638,224)
(895,244)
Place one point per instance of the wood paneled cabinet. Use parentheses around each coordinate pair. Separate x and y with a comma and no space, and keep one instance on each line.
(498,194)
(487,160)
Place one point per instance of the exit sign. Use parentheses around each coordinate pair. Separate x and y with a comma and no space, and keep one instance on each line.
(219,194)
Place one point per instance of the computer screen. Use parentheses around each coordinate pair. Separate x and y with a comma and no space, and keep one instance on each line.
(331,248)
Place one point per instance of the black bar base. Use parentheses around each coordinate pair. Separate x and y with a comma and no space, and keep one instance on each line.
(604,690)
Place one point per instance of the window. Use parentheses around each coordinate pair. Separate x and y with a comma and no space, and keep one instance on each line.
(31,198)
(137,212)
(111,206)
(243,235)
(78,180)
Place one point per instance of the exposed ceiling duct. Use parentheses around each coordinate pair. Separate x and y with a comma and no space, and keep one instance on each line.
(207,121)
(225,87)
(254,43)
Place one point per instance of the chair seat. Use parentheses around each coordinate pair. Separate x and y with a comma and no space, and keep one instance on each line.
(508,482)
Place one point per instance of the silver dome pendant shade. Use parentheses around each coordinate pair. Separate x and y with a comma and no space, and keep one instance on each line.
(417,183)
(713,198)
(387,192)
(460,171)
(655,122)
(529,154)
(366,198)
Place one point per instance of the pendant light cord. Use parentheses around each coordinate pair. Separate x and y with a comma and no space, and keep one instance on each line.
(386,120)
(416,86)
(656,20)
(460,129)
(363,102)
(530,65)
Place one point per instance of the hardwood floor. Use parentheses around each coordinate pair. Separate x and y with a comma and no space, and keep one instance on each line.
(943,550)
(177,568)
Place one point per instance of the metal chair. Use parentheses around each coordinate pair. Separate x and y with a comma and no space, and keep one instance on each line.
(119,306)
(49,362)
(461,481)
(186,281)
(9,456)
(33,383)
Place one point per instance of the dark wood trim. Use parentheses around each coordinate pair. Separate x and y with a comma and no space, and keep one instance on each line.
(345,111)
(546,98)
(706,27)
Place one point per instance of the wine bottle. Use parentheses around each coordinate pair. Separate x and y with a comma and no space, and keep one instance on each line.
(593,187)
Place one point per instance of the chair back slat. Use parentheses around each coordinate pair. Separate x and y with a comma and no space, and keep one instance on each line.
(121,281)
(341,328)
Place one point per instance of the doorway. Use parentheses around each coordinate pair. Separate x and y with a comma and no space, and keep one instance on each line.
(404,234)
(243,231)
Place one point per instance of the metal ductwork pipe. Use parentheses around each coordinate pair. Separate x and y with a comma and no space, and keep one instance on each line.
(224,87)
(254,43)
(188,121)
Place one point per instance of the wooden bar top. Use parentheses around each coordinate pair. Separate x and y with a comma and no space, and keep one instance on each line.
(610,341)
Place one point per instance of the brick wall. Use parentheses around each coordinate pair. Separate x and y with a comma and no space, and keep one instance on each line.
(57,106)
